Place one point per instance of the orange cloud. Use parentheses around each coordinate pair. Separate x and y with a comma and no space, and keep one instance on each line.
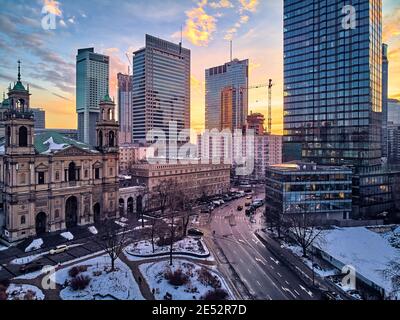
(249,5)
(391,25)
(221,4)
(53,7)
(116,66)
(199,26)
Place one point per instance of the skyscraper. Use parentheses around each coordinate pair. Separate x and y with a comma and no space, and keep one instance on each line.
(332,82)
(92,83)
(125,108)
(40,118)
(226,87)
(385,96)
(161,88)
(333,93)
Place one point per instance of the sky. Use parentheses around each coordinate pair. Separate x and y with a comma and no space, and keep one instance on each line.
(118,27)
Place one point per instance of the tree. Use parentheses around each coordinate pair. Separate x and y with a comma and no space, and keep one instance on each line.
(304,230)
(187,207)
(112,240)
(392,273)
(161,195)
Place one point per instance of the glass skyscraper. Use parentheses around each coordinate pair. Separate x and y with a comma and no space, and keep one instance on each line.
(161,88)
(332,82)
(92,81)
(385,97)
(333,93)
(226,95)
(125,108)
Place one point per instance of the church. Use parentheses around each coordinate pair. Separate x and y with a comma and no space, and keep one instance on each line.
(49,182)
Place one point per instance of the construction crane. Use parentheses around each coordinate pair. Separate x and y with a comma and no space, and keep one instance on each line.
(268,85)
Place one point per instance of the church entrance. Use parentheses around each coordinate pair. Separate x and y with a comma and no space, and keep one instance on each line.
(71,213)
(41,221)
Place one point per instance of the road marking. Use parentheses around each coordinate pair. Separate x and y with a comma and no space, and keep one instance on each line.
(287,290)
(287,282)
(275,261)
(249,271)
(308,292)
(297,292)
(269,297)
(259,260)
(280,276)
(259,283)
(272,267)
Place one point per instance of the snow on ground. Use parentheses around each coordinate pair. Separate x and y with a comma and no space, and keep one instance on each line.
(187,245)
(28,259)
(123,219)
(35,245)
(2,248)
(104,285)
(24,292)
(143,221)
(93,230)
(393,237)
(67,235)
(141,228)
(368,252)
(121,224)
(195,289)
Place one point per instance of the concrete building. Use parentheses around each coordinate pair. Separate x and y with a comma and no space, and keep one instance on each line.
(131,200)
(226,95)
(196,179)
(161,88)
(385,97)
(306,188)
(40,118)
(49,182)
(131,154)
(125,108)
(394,111)
(92,83)
(255,121)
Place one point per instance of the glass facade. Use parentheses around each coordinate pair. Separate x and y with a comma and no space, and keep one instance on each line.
(295,188)
(226,87)
(161,88)
(332,83)
(92,81)
(125,108)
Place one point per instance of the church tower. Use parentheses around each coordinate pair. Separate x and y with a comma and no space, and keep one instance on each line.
(107,127)
(19,120)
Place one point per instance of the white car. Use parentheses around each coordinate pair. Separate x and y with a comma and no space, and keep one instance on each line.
(59,249)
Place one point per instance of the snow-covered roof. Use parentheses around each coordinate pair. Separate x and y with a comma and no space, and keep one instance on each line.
(368,252)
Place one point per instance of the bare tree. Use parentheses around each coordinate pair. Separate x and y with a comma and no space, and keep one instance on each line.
(304,230)
(112,240)
(161,195)
(187,207)
(392,273)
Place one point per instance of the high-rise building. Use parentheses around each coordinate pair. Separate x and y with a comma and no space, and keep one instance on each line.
(394,111)
(161,88)
(332,82)
(333,93)
(385,96)
(40,118)
(226,87)
(125,108)
(92,83)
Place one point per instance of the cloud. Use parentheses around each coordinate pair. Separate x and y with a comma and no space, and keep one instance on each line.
(221,4)
(200,26)
(116,65)
(391,26)
(249,5)
(53,7)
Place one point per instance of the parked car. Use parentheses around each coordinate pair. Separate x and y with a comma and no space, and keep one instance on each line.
(249,197)
(59,249)
(330,295)
(195,233)
(239,208)
(31,267)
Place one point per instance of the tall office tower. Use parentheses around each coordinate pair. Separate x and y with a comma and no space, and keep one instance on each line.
(255,121)
(40,118)
(92,83)
(332,82)
(227,82)
(394,111)
(385,96)
(333,93)
(125,108)
(161,88)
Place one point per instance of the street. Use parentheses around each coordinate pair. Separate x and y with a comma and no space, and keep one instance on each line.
(265,277)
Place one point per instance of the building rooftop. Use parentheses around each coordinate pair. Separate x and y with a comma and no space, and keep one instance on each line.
(295,166)
(48,143)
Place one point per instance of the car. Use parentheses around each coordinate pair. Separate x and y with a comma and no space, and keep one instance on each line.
(239,208)
(59,249)
(247,204)
(249,197)
(330,295)
(31,267)
(195,233)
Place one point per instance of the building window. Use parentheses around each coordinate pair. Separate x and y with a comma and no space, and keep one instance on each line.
(40,177)
(23,137)
(97,173)
(23,220)
(57,175)
(72,172)
(86,173)
(22,178)
(57,214)
(111,171)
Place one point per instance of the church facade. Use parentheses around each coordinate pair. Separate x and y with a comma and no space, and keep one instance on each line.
(49,182)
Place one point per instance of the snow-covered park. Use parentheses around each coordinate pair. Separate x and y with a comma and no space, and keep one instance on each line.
(187,245)
(93,280)
(184,281)
(23,292)
(35,245)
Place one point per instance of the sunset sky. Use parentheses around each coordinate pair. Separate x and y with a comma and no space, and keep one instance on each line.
(118,27)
